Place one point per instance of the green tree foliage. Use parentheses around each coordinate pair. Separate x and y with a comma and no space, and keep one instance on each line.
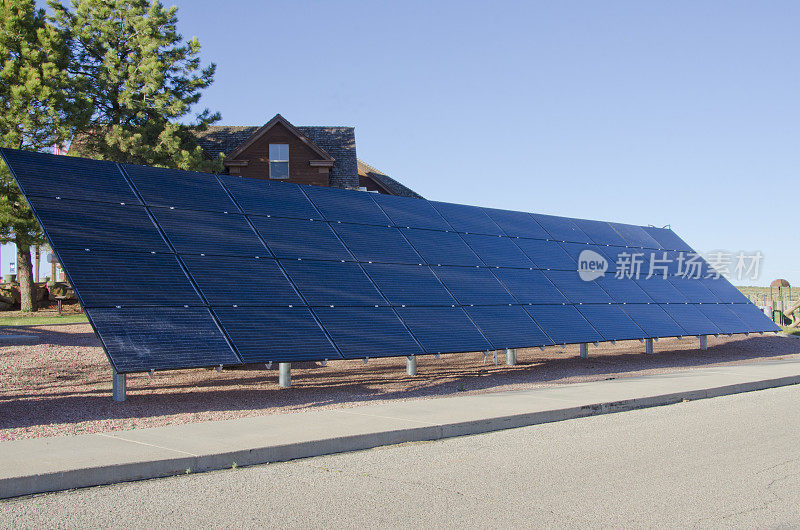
(142,79)
(38,110)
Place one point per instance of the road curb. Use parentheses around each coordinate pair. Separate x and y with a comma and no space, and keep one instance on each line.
(88,476)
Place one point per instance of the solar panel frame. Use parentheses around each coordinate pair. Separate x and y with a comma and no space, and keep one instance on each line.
(564,324)
(577,290)
(752,317)
(269,198)
(409,212)
(443,329)
(611,322)
(473,285)
(441,248)
(333,283)
(403,284)
(300,238)
(179,189)
(382,244)
(344,206)
(497,251)
(562,228)
(654,320)
(691,319)
(517,224)
(508,326)
(529,286)
(467,219)
(363,332)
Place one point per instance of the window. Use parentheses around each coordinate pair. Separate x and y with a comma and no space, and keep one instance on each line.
(279,161)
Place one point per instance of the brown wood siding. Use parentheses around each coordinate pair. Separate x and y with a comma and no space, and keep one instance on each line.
(367,182)
(300,171)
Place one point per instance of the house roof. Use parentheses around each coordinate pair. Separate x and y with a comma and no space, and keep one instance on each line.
(386,181)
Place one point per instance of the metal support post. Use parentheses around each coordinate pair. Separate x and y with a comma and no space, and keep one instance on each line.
(584,350)
(284,375)
(511,356)
(411,365)
(648,346)
(703,342)
(118,386)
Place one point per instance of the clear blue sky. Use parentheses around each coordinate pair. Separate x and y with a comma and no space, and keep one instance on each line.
(683,112)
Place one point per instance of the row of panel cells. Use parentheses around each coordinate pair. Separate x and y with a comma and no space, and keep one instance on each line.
(128,227)
(142,339)
(105,278)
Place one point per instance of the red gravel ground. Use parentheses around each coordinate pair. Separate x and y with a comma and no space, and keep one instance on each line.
(61,384)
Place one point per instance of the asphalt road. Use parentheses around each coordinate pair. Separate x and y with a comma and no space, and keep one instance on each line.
(729,461)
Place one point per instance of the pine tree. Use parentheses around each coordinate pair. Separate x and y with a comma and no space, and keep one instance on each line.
(143,80)
(38,110)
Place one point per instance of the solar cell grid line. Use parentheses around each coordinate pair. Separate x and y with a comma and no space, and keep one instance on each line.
(467,219)
(300,238)
(517,224)
(333,283)
(624,290)
(508,326)
(241,280)
(577,290)
(443,329)
(180,189)
(381,244)
(562,228)
(346,206)
(497,251)
(408,212)
(115,279)
(611,322)
(364,332)
(441,248)
(47,175)
(529,286)
(654,320)
(564,324)
(689,317)
(408,284)
(269,198)
(473,285)
(547,255)
(661,291)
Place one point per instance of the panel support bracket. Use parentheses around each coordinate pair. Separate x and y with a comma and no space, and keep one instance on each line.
(284,375)
(703,342)
(411,365)
(584,350)
(648,346)
(118,386)
(511,356)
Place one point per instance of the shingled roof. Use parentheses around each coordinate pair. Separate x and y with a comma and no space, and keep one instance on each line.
(386,181)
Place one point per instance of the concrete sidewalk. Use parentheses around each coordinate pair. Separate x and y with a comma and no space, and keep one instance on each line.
(58,463)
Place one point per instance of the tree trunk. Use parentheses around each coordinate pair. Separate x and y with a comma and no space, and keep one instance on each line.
(27,289)
(36,263)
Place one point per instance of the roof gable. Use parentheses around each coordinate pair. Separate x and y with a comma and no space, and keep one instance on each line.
(263,130)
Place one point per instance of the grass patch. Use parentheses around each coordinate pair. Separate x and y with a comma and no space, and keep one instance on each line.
(41,320)
(792,331)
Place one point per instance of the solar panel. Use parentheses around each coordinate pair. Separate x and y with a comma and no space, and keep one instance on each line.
(275,334)
(229,280)
(309,273)
(300,238)
(508,326)
(195,232)
(181,189)
(473,285)
(441,248)
(368,332)
(654,320)
(111,279)
(408,284)
(139,339)
(443,329)
(268,198)
(333,283)
(564,324)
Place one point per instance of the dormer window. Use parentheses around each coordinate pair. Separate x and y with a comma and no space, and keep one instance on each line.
(279,161)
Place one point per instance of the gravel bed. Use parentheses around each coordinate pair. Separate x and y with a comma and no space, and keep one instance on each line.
(61,383)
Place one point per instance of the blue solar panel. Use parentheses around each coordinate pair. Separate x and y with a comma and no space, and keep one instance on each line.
(497,251)
(441,248)
(529,286)
(653,320)
(264,197)
(753,318)
(443,329)
(723,317)
(195,232)
(473,285)
(562,228)
(408,212)
(626,262)
(724,291)
(577,290)
(508,326)
(517,224)
(662,291)
(635,236)
(694,290)
(547,254)
(181,189)
(469,219)
(377,243)
(611,322)
(591,254)
(98,226)
(564,324)
(300,238)
(275,334)
(624,290)
(690,318)
(110,279)
(600,232)
(408,284)
(45,175)
(333,283)
(346,205)
(667,239)
(139,339)
(367,332)
(228,280)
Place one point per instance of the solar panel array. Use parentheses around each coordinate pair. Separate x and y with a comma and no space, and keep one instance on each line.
(178,269)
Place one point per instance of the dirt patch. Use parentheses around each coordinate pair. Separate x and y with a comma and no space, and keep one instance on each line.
(62,383)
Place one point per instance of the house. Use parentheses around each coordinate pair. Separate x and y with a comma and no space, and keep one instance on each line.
(315,155)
